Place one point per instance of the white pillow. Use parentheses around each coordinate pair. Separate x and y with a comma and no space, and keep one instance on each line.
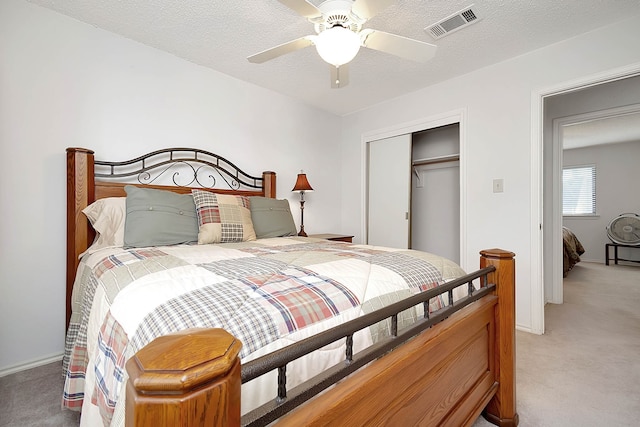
(107,216)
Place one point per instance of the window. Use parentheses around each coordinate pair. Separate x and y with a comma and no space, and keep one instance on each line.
(579,190)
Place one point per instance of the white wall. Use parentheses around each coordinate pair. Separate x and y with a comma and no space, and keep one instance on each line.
(617,175)
(64,83)
(498,119)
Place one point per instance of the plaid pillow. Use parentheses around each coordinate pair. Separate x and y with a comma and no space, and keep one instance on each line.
(223,218)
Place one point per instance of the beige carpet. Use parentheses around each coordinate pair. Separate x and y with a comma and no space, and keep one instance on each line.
(585,370)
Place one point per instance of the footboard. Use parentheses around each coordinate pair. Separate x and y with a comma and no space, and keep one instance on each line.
(460,364)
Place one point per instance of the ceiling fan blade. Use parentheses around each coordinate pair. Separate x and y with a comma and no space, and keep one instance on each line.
(339,76)
(280,50)
(367,9)
(403,47)
(302,7)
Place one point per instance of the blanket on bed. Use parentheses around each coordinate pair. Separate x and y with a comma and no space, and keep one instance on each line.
(267,293)
(572,250)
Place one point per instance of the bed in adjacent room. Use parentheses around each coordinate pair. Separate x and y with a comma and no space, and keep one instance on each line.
(572,249)
(188,259)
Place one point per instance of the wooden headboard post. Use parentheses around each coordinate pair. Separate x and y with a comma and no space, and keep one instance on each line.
(80,193)
(269,184)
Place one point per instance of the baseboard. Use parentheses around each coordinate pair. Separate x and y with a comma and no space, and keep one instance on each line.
(30,364)
(525,329)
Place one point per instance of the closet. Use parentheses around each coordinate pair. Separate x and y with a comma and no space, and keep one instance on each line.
(414,191)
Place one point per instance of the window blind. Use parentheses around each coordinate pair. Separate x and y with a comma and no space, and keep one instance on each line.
(579,190)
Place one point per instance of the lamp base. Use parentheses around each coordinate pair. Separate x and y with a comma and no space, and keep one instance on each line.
(302,233)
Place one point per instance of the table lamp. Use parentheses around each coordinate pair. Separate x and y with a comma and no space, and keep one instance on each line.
(302,186)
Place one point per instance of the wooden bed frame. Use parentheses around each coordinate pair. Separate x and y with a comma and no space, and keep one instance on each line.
(447,375)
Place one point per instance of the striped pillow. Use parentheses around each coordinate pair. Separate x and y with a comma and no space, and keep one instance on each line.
(223,218)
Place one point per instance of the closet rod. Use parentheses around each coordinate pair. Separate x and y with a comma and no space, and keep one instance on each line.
(440,159)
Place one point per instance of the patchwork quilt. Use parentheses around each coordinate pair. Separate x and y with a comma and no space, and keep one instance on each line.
(268,293)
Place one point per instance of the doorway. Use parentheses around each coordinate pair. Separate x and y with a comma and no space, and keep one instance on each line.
(596,128)
(544,163)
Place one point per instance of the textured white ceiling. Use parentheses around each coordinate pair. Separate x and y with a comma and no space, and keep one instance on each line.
(220,34)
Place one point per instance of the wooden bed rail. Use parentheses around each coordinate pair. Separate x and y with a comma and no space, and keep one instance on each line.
(460,368)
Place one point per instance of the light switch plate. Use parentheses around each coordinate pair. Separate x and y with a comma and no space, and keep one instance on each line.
(498,185)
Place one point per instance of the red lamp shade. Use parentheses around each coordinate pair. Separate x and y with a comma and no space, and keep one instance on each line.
(302,184)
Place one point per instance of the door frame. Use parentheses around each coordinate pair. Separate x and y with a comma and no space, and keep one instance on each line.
(537,296)
(425,123)
(557,291)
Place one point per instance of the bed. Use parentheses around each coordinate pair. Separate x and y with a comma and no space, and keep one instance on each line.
(572,249)
(448,337)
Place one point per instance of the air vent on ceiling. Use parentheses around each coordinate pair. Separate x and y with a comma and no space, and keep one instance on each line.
(452,23)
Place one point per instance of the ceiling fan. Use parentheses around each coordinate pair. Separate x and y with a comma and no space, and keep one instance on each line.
(338,24)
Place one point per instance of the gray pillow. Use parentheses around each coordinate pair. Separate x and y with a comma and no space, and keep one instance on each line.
(159,218)
(271,217)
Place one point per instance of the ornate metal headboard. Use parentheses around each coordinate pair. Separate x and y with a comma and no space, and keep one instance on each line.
(186,167)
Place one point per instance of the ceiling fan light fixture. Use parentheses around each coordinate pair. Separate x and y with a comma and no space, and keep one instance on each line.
(337,45)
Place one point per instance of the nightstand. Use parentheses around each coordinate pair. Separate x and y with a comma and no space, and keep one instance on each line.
(334,237)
